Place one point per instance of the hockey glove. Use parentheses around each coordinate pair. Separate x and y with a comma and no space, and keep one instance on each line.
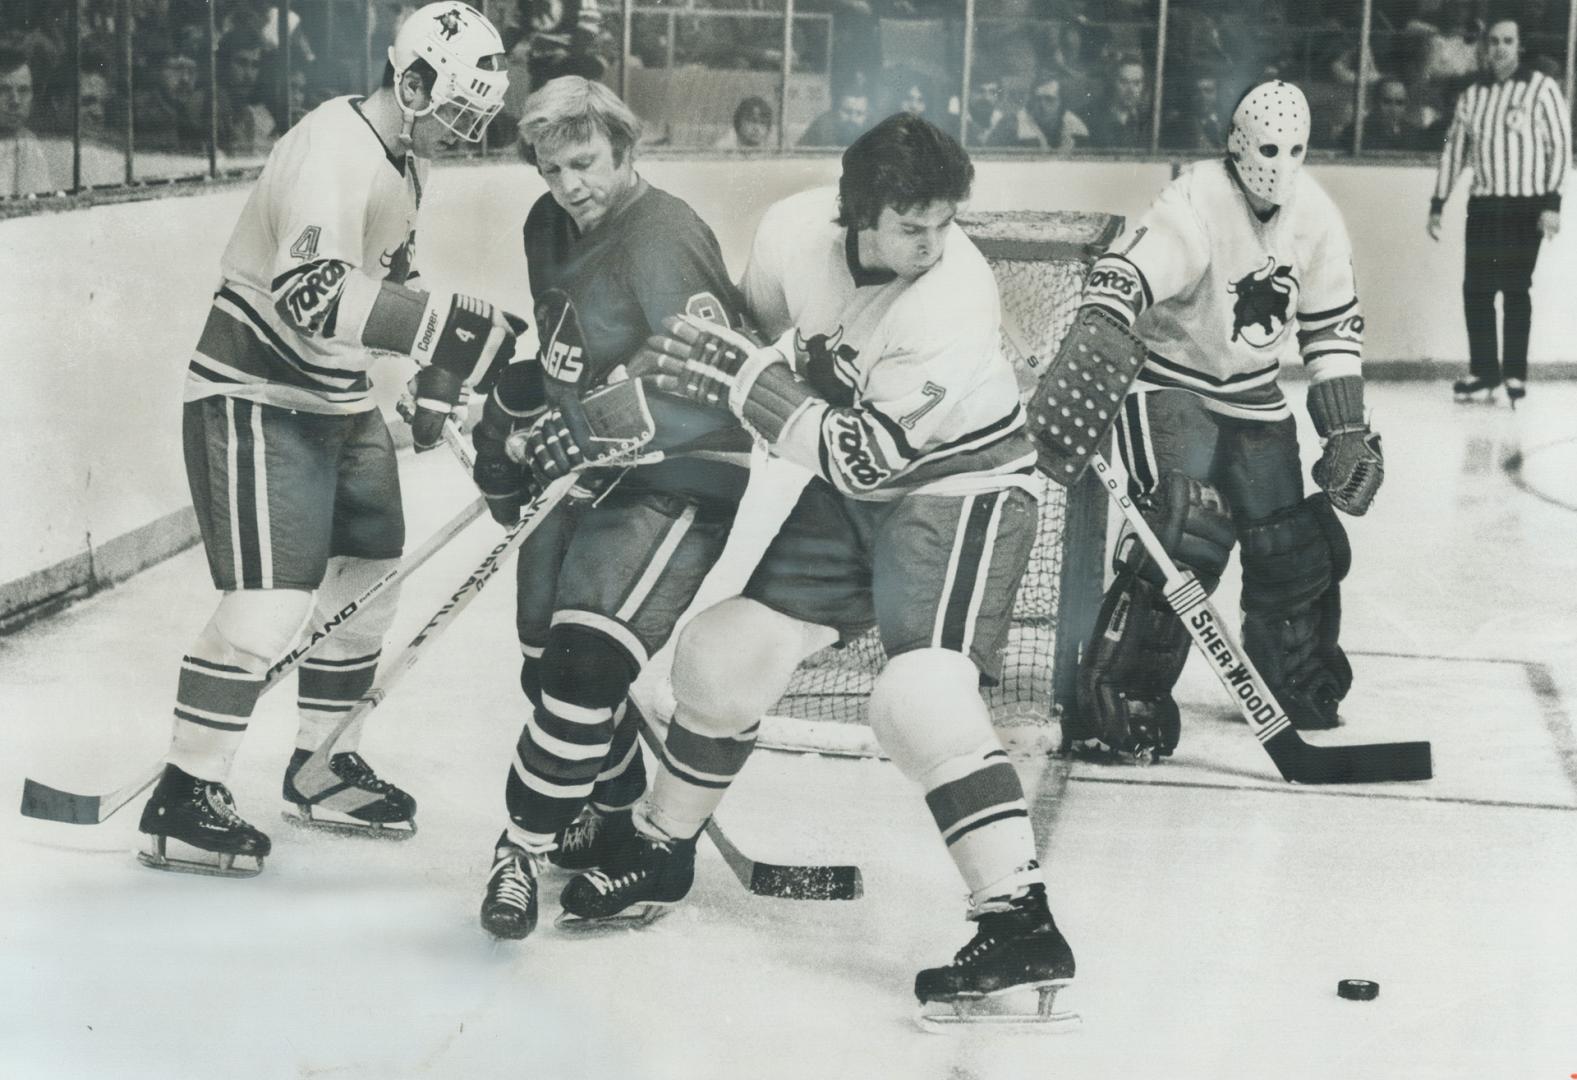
(505,484)
(716,366)
(431,397)
(1352,467)
(614,421)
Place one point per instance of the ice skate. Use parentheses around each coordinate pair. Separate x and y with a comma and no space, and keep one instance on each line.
(200,814)
(347,797)
(1516,390)
(1475,390)
(592,839)
(509,909)
(639,885)
(1017,951)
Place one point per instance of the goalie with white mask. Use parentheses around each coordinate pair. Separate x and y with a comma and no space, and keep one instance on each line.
(291,468)
(887,382)
(1242,264)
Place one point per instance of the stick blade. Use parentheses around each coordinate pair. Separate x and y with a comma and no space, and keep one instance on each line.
(1370,763)
(806,882)
(50,804)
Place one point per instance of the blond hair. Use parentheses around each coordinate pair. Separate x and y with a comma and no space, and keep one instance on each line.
(569,110)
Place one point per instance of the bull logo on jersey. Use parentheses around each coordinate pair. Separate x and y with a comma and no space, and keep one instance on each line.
(828,365)
(563,348)
(448,23)
(1263,306)
(398,262)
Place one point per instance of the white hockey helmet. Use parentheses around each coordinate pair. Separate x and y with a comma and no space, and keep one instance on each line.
(1269,138)
(458,43)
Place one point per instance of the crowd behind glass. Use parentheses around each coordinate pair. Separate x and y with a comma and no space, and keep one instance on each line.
(123,91)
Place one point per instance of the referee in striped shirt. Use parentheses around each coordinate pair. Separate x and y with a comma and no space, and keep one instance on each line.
(1512,128)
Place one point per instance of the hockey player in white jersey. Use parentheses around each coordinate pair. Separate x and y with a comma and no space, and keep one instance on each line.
(291,467)
(1243,264)
(886,380)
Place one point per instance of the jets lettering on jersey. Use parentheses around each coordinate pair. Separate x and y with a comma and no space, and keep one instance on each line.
(563,354)
(1263,308)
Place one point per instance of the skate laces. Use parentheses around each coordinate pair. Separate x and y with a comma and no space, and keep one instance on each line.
(605,885)
(353,769)
(511,884)
(218,798)
(582,832)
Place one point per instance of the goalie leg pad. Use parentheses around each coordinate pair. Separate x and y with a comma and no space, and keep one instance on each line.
(1293,564)
(1127,673)
(1194,524)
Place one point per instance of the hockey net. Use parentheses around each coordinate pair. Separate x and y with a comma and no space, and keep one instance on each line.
(1040,260)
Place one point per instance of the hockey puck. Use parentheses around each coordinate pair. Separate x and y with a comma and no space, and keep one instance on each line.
(1358,989)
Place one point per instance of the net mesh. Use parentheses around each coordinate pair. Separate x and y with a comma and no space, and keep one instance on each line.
(1040,259)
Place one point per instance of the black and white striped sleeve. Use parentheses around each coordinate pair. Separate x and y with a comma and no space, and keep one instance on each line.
(1554,132)
(1454,154)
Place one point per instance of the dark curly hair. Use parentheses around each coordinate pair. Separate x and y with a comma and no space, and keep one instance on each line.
(903,162)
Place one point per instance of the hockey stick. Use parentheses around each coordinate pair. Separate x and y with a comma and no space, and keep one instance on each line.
(780,880)
(1299,762)
(315,778)
(52,804)
(763,879)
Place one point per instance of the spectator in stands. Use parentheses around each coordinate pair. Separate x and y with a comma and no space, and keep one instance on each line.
(1044,123)
(23,169)
(1198,124)
(752,128)
(986,109)
(1123,123)
(167,111)
(1080,87)
(907,90)
(246,127)
(841,124)
(1390,124)
(563,37)
(98,105)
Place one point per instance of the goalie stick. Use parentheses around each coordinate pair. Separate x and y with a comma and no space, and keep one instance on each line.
(1073,409)
(52,804)
(1298,761)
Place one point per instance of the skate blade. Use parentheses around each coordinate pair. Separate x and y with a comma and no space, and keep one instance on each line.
(224,865)
(320,820)
(633,917)
(991,1010)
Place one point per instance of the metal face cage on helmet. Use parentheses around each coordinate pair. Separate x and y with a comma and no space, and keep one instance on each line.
(1269,138)
(465,51)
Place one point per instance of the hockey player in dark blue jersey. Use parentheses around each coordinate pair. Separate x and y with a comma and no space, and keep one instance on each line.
(602,582)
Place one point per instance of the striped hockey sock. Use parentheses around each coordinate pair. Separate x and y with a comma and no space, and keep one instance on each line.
(328,689)
(978,804)
(213,703)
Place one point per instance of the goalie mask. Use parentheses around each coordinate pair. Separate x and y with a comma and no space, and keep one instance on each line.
(1269,138)
(465,51)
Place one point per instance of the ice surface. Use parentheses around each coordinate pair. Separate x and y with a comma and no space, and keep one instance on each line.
(1212,908)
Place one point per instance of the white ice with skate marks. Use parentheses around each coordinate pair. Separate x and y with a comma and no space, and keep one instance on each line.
(1212,909)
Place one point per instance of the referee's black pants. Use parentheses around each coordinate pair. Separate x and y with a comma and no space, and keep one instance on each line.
(1502,247)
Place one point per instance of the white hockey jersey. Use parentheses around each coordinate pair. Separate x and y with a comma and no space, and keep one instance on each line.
(919,396)
(1222,299)
(330,201)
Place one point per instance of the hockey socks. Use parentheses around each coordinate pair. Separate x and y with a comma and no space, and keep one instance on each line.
(328,689)
(213,703)
(693,773)
(978,804)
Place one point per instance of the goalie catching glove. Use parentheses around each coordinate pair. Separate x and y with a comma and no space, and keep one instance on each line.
(717,366)
(1351,468)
